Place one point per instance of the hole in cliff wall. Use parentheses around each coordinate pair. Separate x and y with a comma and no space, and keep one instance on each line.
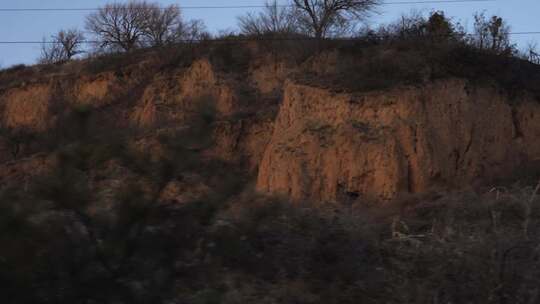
(346,196)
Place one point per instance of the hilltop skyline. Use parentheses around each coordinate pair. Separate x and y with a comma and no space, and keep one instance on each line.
(34,26)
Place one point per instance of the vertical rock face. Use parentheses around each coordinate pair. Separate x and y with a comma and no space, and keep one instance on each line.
(329,146)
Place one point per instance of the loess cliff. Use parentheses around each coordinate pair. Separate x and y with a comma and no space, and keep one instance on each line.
(292,136)
(328,146)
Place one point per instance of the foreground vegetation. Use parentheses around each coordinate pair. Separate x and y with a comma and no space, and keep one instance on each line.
(85,233)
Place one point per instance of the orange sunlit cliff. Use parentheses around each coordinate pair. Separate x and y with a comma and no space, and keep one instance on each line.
(299,138)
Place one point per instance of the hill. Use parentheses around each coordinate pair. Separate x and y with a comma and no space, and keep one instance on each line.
(272,171)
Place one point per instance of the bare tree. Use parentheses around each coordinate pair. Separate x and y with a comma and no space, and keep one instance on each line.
(140,23)
(71,42)
(62,47)
(491,34)
(51,52)
(273,19)
(119,26)
(408,25)
(531,52)
(163,25)
(324,17)
(194,30)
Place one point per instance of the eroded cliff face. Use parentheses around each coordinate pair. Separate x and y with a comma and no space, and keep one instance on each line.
(310,143)
(151,102)
(329,146)
(173,96)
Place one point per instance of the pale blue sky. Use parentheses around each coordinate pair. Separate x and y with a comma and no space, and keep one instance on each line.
(522,15)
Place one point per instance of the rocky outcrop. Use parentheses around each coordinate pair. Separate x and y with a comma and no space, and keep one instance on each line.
(96,91)
(174,96)
(328,146)
(323,145)
(35,106)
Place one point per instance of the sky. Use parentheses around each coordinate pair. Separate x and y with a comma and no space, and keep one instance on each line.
(522,15)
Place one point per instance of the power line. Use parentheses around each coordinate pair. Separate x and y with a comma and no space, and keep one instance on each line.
(235,40)
(234,6)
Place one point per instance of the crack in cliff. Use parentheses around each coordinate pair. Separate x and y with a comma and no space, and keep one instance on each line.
(469,144)
(457,159)
(516,124)
(410,177)
(461,157)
